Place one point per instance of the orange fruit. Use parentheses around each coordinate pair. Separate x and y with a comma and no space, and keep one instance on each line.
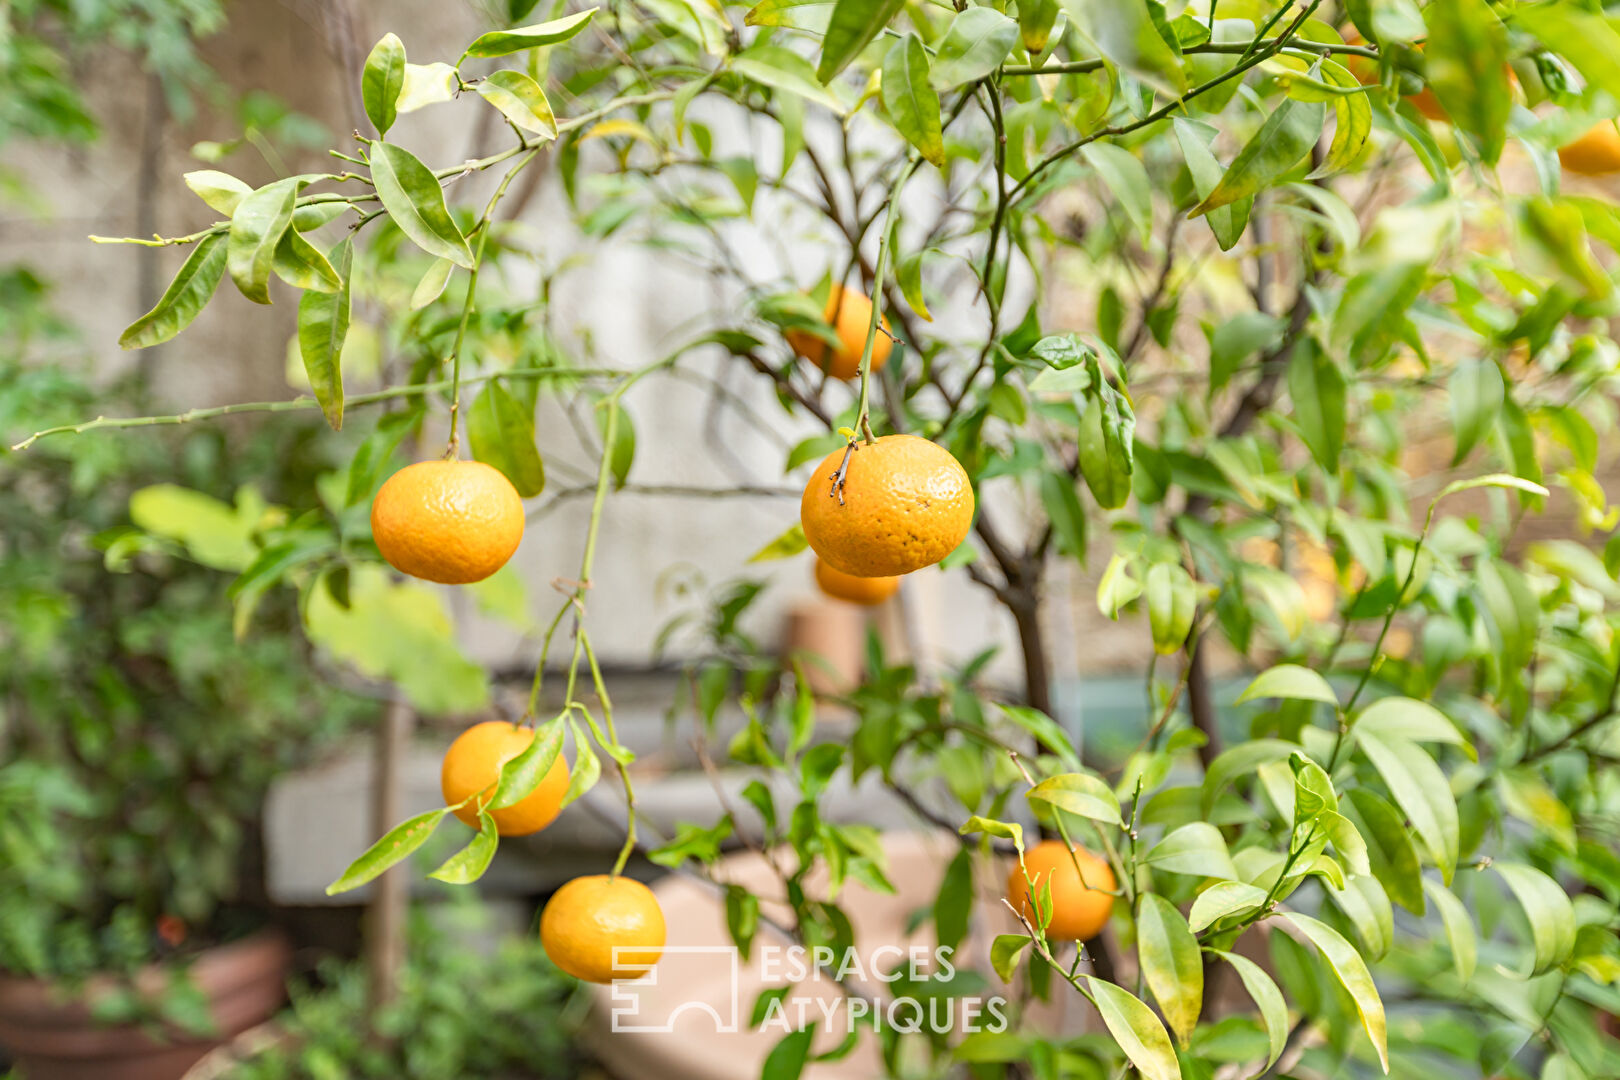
(1079,911)
(1424,101)
(865,591)
(590,917)
(1596,153)
(905,503)
(453,522)
(849,313)
(472,766)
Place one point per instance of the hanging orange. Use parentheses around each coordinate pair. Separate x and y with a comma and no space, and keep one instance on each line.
(865,591)
(472,768)
(849,313)
(1079,909)
(453,522)
(905,503)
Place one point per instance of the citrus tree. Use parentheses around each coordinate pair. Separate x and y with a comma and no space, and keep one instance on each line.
(1327,400)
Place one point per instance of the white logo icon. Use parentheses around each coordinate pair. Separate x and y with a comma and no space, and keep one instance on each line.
(629,995)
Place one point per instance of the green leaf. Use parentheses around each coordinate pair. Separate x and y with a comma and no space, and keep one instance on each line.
(786,1059)
(1196,848)
(520,100)
(502,42)
(1046,732)
(909,98)
(1226,222)
(1273,1009)
(1347,841)
(1289,681)
(1004,954)
(309,216)
(742,918)
(976,43)
(1006,830)
(811,15)
(790,543)
(1137,1031)
(1125,33)
(783,69)
(621,451)
(908,273)
(301,265)
(1364,902)
(1391,855)
(1238,761)
(1351,971)
(412,196)
(1116,587)
(1106,440)
(1081,794)
(1172,601)
(381,82)
(1511,609)
(1554,241)
(468,865)
(1498,480)
(1035,21)
(1466,67)
(1062,505)
(432,284)
(1459,928)
(587,767)
(1317,389)
(1170,963)
(1352,121)
(1234,341)
(426,84)
(1126,177)
(1281,143)
(214,533)
(185,297)
(395,846)
(1477,391)
(1406,718)
(256,229)
(500,430)
(221,191)
(1548,910)
(851,26)
(323,325)
(521,774)
(953,904)
(1585,38)
(1422,791)
(1222,899)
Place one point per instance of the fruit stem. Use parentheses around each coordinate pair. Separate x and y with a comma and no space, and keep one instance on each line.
(885,256)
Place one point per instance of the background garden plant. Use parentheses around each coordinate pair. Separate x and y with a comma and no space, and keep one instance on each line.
(1335,409)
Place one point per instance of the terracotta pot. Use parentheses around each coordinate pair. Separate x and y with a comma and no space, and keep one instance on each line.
(829,641)
(49,1030)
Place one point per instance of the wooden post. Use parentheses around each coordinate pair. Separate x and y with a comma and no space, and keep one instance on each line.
(390,899)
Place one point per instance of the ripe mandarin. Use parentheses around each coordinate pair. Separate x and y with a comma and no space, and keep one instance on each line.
(472,766)
(865,591)
(849,312)
(586,919)
(453,522)
(905,503)
(1597,153)
(1079,911)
